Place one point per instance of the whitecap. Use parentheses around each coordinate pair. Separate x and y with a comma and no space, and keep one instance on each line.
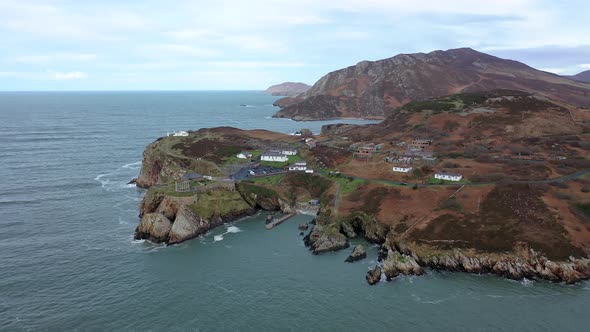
(526,282)
(218,238)
(132,165)
(233,229)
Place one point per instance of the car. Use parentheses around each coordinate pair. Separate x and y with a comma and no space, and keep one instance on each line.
(403,183)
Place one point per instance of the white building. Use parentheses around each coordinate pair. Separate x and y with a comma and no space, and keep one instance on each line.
(401,169)
(300,166)
(274,156)
(448,176)
(180,133)
(244,155)
(309,171)
(289,152)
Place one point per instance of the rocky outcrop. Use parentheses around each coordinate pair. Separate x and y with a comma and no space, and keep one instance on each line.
(364,225)
(521,263)
(372,89)
(397,263)
(291,89)
(324,238)
(357,254)
(303,226)
(374,275)
(169,219)
(154,227)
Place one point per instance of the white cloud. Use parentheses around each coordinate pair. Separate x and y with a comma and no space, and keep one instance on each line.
(555,70)
(51,58)
(63,76)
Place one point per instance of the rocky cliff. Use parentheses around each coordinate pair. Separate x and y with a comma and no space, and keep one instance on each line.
(373,89)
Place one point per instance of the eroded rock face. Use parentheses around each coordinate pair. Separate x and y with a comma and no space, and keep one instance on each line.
(303,226)
(374,275)
(522,263)
(357,254)
(397,263)
(323,238)
(154,227)
(186,226)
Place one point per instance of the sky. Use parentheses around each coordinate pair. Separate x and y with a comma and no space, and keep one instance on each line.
(249,45)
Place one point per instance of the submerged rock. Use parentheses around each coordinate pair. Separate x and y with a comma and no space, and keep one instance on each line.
(303,226)
(357,254)
(154,227)
(374,275)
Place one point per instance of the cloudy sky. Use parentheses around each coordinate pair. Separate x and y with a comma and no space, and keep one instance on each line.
(231,44)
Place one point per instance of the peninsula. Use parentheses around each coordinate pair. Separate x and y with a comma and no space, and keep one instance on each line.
(487,182)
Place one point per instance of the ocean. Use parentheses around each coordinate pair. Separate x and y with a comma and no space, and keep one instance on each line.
(68,260)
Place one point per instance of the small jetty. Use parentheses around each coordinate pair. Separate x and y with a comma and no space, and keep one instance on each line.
(274,222)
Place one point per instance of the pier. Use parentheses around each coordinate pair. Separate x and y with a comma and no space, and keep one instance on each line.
(278,221)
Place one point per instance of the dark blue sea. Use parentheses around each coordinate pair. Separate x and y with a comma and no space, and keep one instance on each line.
(68,260)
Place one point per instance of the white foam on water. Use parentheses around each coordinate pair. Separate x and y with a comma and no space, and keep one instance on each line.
(526,282)
(217,238)
(135,165)
(232,229)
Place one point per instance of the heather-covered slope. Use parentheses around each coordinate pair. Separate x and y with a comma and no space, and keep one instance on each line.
(371,89)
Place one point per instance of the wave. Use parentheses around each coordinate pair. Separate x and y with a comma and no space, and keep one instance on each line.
(217,238)
(233,229)
(132,165)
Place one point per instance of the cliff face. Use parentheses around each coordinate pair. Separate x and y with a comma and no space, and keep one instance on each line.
(372,89)
(290,89)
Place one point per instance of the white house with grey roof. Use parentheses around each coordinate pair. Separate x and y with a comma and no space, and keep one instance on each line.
(274,156)
(448,176)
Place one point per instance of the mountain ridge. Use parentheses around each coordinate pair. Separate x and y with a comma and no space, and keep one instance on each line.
(372,89)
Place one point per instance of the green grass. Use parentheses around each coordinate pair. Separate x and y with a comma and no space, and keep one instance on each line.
(272,180)
(347,185)
(219,203)
(235,160)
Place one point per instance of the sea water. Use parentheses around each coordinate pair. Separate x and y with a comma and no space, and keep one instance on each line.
(68,260)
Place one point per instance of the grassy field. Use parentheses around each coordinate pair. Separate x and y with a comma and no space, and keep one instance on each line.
(347,185)
(219,203)
(271,180)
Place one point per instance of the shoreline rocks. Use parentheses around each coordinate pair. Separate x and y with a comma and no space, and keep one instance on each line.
(357,254)
(322,239)
(373,275)
(518,265)
(303,226)
(397,263)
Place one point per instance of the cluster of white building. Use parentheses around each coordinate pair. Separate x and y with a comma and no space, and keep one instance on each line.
(278,155)
(300,167)
(181,133)
(439,176)
(448,176)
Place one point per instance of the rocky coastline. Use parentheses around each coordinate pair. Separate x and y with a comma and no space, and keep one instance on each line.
(170,217)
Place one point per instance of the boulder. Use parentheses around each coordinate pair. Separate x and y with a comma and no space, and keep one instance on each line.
(374,275)
(397,263)
(303,226)
(324,238)
(357,254)
(154,227)
(187,226)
